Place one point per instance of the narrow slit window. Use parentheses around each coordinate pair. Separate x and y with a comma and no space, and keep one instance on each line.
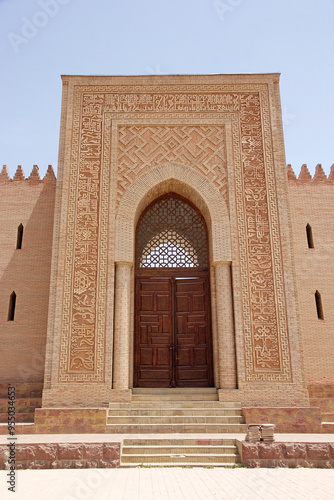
(19,237)
(318,302)
(11,308)
(309,236)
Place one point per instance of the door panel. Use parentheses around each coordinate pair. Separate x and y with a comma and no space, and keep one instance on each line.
(193,333)
(173,332)
(153,333)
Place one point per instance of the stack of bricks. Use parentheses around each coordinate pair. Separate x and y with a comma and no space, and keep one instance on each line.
(253,433)
(260,433)
(267,433)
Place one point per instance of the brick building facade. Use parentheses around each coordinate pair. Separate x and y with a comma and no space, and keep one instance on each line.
(69,263)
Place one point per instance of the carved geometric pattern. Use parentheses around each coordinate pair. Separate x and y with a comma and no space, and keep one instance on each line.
(171,233)
(266,334)
(141,148)
(81,335)
(264,313)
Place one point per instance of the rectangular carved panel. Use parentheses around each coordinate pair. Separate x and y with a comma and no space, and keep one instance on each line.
(266,345)
(143,147)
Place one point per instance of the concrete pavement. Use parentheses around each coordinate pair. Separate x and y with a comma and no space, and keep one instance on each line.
(171,484)
(168,483)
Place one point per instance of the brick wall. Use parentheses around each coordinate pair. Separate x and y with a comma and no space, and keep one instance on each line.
(26,271)
(312,202)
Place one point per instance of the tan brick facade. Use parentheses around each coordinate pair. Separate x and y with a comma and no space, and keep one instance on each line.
(25,271)
(311,202)
(218,142)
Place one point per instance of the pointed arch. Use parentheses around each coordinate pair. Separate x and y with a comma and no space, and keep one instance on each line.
(171,233)
(186,182)
(202,193)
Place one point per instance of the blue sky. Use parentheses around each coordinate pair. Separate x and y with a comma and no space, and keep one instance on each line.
(42,39)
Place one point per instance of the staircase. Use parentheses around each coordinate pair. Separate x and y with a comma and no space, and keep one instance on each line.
(28,397)
(179,453)
(176,410)
(322,395)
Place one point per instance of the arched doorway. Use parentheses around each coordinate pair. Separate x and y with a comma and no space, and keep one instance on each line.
(173,342)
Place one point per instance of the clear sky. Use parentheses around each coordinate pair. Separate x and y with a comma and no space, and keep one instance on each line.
(42,39)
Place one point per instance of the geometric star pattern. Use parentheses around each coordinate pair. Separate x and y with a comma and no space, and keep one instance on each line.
(171,233)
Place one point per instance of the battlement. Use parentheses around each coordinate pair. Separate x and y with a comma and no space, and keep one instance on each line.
(305,177)
(33,179)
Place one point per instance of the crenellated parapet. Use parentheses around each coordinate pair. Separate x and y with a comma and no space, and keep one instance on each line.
(305,177)
(33,179)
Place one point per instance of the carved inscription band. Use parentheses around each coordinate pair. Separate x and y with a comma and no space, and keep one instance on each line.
(263,337)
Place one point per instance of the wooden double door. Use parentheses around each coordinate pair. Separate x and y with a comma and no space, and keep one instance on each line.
(173,345)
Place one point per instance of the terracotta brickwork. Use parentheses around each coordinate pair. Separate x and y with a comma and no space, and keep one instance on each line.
(25,271)
(216,140)
(312,203)
(286,419)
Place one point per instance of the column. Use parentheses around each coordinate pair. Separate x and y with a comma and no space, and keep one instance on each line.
(122,325)
(225,324)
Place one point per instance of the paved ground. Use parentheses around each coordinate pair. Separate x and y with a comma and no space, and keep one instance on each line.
(171,484)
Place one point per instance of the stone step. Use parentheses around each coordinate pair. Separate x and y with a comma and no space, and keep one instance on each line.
(19,417)
(326,405)
(20,428)
(127,412)
(155,442)
(22,405)
(147,428)
(181,459)
(174,390)
(175,397)
(328,427)
(321,390)
(23,390)
(327,417)
(182,449)
(198,419)
(179,452)
(203,464)
(176,404)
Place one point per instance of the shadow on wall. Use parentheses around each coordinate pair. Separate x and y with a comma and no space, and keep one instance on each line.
(26,214)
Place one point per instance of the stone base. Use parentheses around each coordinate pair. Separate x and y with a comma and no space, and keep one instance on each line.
(298,420)
(83,396)
(267,394)
(320,455)
(70,420)
(63,456)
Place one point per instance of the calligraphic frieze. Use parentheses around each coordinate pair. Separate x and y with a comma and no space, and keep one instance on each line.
(267,355)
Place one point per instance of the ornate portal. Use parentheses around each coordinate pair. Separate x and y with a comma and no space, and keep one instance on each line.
(177,173)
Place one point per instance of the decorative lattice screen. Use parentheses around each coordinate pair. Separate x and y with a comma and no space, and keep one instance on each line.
(171,233)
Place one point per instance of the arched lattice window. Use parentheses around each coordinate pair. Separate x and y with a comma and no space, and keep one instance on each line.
(171,233)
